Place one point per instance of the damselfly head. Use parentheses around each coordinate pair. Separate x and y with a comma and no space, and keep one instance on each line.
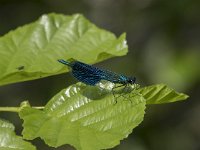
(131,80)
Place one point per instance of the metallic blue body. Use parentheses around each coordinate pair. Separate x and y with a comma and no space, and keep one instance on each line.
(91,75)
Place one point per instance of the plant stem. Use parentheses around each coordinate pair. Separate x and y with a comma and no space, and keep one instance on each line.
(10,109)
(16,109)
(38,107)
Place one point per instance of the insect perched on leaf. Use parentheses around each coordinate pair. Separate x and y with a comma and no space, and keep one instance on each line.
(20,68)
(91,75)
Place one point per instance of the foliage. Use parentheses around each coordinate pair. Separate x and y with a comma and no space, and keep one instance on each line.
(32,51)
(88,118)
(10,141)
(77,117)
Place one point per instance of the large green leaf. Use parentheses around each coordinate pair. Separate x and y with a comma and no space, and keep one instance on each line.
(92,118)
(31,51)
(88,118)
(10,141)
(160,93)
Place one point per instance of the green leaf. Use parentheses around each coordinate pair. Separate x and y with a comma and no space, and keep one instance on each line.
(160,93)
(10,141)
(88,118)
(32,51)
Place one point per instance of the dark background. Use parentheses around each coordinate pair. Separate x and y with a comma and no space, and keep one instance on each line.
(164,47)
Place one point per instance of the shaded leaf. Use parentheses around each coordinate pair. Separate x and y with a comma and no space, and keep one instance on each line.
(160,93)
(9,140)
(32,51)
(85,117)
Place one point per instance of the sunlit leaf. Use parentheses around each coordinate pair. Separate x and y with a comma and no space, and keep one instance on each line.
(160,93)
(9,140)
(32,51)
(88,118)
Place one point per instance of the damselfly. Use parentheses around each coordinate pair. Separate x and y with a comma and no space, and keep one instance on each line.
(91,75)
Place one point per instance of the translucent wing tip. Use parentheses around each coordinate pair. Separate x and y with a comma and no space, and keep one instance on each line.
(66,62)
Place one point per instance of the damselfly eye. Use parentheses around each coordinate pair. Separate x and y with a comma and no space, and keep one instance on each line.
(132,80)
